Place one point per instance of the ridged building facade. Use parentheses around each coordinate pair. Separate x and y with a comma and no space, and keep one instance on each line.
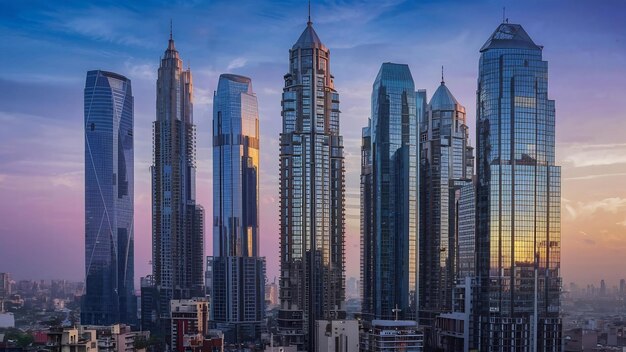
(389,195)
(177,221)
(238,273)
(518,198)
(312,221)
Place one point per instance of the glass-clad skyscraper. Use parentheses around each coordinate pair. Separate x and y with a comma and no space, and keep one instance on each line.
(311,195)
(177,221)
(109,171)
(518,220)
(238,273)
(446,165)
(389,193)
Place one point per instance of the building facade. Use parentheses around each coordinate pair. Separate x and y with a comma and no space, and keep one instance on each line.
(337,335)
(392,335)
(518,215)
(109,181)
(238,306)
(5,285)
(189,319)
(389,195)
(177,221)
(311,195)
(466,223)
(446,166)
(237,298)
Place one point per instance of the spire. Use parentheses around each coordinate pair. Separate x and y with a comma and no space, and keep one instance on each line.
(309,21)
(442,81)
(170,44)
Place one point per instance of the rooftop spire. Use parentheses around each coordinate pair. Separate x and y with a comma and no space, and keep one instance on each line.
(442,81)
(171,37)
(309,21)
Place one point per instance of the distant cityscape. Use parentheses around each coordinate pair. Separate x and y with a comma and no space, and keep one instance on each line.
(460,244)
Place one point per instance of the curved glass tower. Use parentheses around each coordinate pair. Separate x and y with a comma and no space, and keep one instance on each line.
(238,298)
(109,173)
(311,195)
(447,165)
(518,215)
(390,194)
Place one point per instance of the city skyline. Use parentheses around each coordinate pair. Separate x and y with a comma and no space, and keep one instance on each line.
(586,155)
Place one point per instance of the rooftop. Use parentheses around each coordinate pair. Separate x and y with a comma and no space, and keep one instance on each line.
(509,36)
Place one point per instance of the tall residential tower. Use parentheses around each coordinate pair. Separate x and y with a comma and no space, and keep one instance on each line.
(518,215)
(446,166)
(238,273)
(177,221)
(109,172)
(389,194)
(311,195)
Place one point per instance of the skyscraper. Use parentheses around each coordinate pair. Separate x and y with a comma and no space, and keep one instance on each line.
(389,193)
(177,221)
(311,195)
(109,172)
(446,165)
(518,215)
(238,299)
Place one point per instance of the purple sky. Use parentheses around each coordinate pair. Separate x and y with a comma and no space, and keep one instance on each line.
(49,47)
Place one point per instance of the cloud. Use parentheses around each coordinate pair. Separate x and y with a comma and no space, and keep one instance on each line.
(623,223)
(582,155)
(580,209)
(236,63)
(143,71)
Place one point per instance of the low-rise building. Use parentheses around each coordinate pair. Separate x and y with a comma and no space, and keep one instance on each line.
(189,322)
(392,335)
(337,335)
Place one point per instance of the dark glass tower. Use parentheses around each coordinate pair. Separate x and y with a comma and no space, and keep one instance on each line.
(446,165)
(311,195)
(389,193)
(238,273)
(177,221)
(518,215)
(109,172)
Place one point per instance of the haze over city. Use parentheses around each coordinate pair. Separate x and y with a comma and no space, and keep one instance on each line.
(49,46)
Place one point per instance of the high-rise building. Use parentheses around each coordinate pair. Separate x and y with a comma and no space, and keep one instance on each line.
(177,221)
(237,297)
(311,195)
(389,195)
(5,285)
(466,229)
(518,197)
(446,166)
(109,172)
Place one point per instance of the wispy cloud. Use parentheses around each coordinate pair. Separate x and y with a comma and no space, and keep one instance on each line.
(580,209)
(582,155)
(236,63)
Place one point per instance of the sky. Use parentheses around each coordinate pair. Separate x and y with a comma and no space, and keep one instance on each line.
(48,46)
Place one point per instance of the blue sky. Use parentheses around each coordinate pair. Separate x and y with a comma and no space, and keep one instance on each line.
(48,46)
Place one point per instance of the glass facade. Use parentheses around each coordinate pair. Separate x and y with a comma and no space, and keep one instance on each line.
(109,176)
(177,221)
(446,165)
(238,273)
(389,191)
(311,195)
(518,220)
(466,223)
